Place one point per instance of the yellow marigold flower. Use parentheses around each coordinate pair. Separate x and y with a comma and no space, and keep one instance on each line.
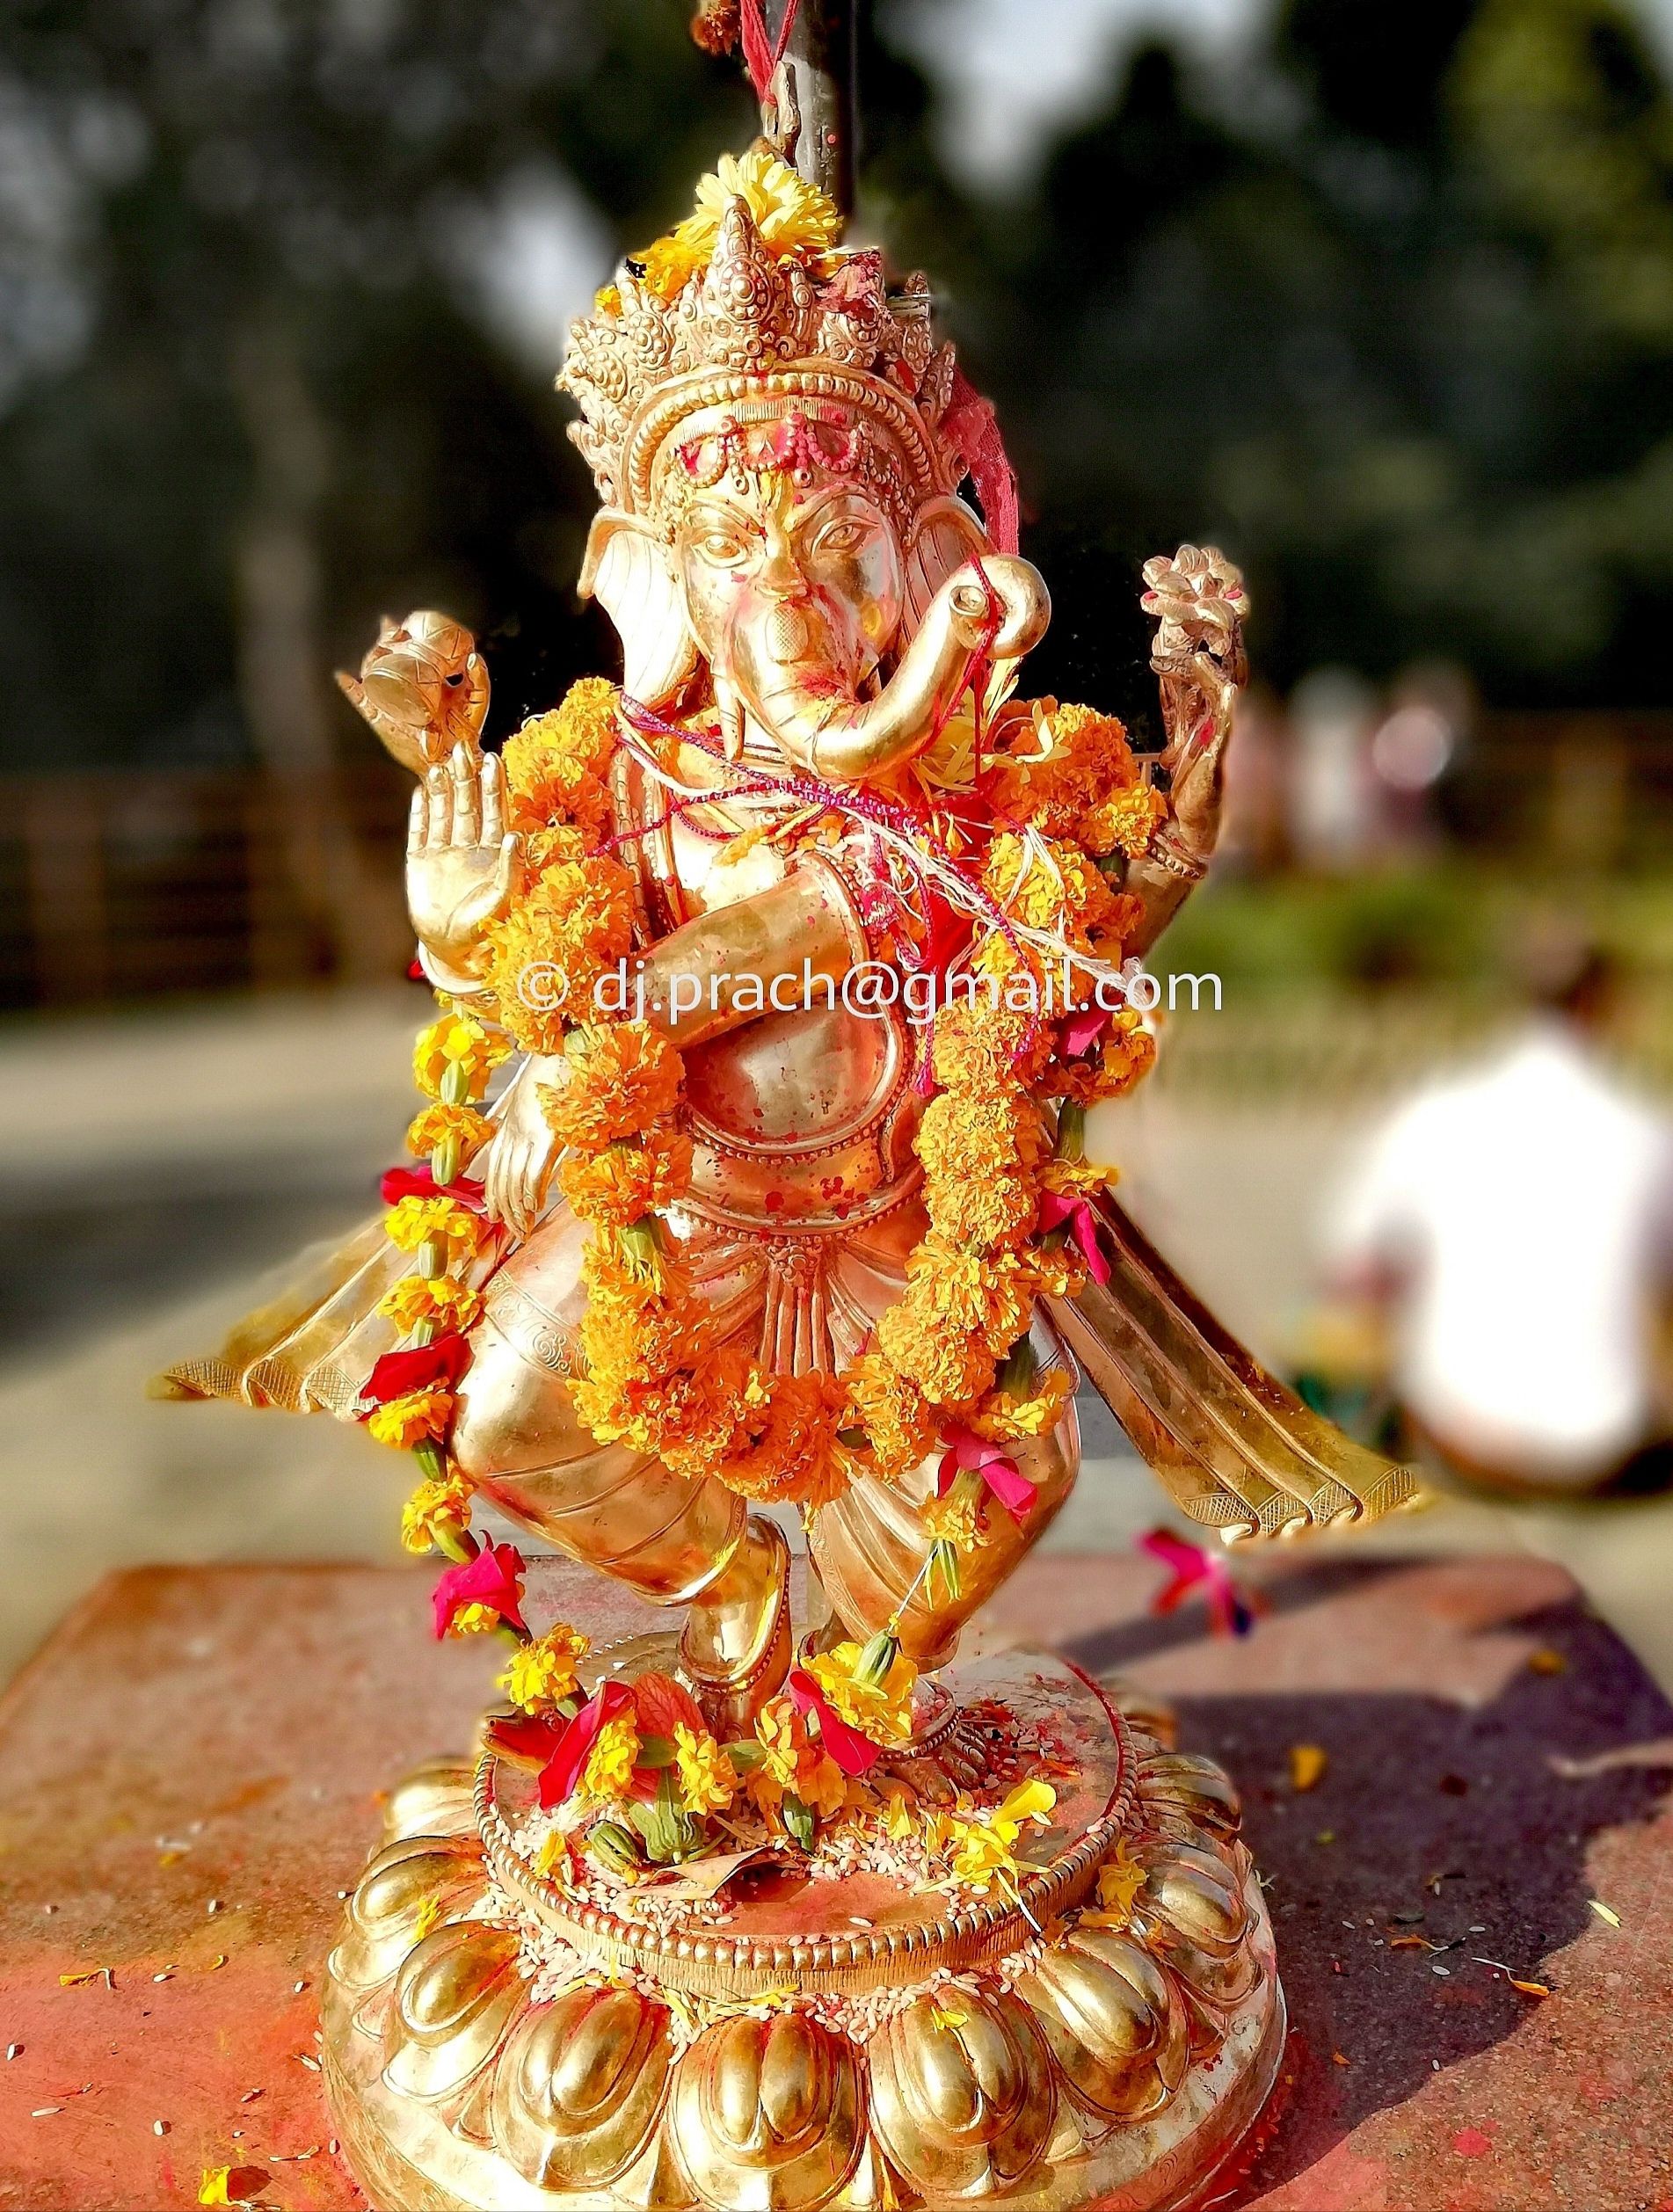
(542,1673)
(984,1298)
(1120,1880)
(607,300)
(609,1768)
(411,1222)
(621,1185)
(666,265)
(985,1843)
(961,1137)
(1003,1419)
(1057,887)
(945,1364)
(430,1297)
(794,218)
(622,1080)
(708,1779)
(882,1711)
(456,1042)
(440,1123)
(437,1509)
(416,1416)
(793,1760)
(958,1518)
(473,1620)
(982,1048)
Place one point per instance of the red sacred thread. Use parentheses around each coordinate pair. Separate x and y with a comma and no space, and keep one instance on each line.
(864,806)
(761,54)
(971,426)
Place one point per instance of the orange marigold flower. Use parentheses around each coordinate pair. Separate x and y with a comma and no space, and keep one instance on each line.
(786,1450)
(1125,822)
(900,1425)
(1125,1055)
(545,957)
(622,1183)
(1058,765)
(622,1080)
(417,1417)
(556,764)
(794,1760)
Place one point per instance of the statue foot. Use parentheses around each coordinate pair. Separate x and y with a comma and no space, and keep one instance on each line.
(736,1647)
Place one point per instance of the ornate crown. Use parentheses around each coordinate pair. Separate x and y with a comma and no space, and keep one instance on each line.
(747,307)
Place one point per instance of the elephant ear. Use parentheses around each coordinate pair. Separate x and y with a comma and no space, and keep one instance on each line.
(627,569)
(945,535)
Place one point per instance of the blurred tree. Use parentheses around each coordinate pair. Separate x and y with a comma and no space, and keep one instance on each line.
(1388,308)
(248,402)
(1387,311)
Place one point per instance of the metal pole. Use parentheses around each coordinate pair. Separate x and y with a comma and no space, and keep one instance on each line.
(811,110)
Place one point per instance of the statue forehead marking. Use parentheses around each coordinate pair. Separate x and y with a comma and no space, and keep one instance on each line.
(809,445)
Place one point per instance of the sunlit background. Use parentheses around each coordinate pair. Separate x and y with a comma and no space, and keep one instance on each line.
(1379,300)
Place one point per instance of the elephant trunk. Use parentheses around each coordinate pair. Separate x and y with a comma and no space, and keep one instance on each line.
(842,740)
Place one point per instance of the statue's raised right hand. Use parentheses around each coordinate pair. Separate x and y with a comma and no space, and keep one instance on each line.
(423,688)
(462,864)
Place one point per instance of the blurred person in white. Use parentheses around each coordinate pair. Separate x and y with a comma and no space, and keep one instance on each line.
(1513,1224)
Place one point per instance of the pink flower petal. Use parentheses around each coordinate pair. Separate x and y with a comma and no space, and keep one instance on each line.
(852,1752)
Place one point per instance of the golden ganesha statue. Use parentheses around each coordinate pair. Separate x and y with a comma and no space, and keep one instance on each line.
(811,946)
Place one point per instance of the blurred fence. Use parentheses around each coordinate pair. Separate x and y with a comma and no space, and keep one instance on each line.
(125,886)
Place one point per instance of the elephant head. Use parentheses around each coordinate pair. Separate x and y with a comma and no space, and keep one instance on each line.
(834,602)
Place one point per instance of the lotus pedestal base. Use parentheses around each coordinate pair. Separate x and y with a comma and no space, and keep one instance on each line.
(838,2035)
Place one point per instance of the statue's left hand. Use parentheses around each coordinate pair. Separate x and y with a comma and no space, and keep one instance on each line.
(1198,600)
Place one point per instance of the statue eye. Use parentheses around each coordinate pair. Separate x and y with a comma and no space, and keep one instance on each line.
(723,549)
(843,536)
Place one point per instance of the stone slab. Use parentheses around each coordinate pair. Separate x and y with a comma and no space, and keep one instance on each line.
(1495,1759)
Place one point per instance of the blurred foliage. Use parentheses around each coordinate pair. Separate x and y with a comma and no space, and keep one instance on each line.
(1389,313)
(1453,926)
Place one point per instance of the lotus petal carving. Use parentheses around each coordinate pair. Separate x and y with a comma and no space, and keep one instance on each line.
(768,2114)
(454,1999)
(399,1881)
(963,2092)
(579,2086)
(1114,2019)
